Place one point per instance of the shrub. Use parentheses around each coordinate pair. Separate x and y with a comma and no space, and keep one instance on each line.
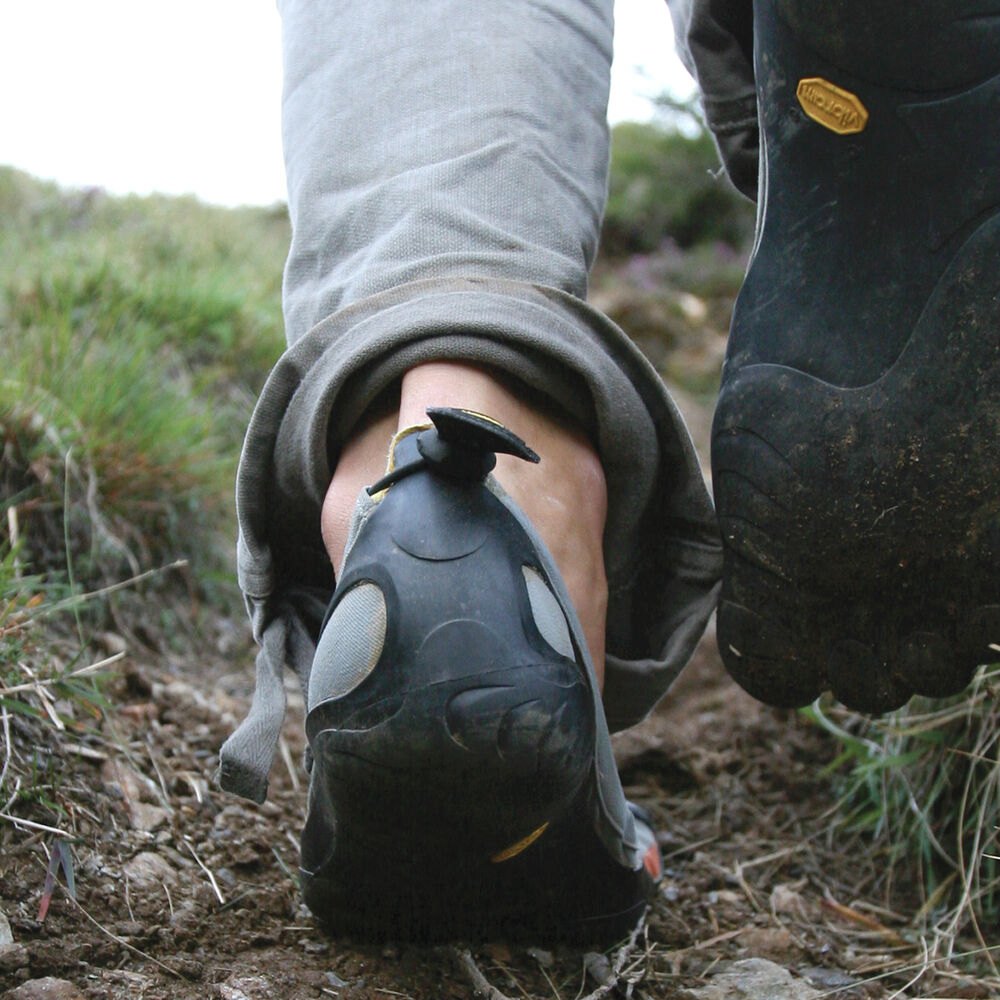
(666,185)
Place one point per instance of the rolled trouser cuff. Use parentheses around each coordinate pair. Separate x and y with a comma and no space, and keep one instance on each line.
(661,550)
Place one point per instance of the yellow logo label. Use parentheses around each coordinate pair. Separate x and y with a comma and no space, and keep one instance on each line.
(834,108)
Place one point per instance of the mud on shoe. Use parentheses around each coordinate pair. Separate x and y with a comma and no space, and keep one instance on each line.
(856,445)
(450,718)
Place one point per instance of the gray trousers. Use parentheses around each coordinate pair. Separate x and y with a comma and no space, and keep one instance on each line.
(447,165)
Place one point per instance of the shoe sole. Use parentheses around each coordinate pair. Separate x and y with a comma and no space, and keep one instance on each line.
(482,838)
(860,520)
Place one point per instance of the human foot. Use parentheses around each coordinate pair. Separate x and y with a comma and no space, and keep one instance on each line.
(452,717)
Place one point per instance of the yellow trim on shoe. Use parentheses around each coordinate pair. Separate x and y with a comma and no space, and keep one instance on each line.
(517,848)
(390,463)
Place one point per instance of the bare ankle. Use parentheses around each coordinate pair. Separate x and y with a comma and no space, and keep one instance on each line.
(565,496)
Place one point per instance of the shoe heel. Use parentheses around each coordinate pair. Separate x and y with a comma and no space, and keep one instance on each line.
(459,780)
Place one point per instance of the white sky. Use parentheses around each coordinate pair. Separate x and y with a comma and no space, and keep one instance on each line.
(183,96)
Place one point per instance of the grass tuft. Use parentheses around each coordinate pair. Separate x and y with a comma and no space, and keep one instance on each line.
(135,334)
(923,783)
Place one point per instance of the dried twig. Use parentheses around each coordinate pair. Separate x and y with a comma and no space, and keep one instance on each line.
(60,856)
(125,944)
(919,975)
(481,986)
(900,970)
(13,530)
(164,794)
(622,955)
(7,748)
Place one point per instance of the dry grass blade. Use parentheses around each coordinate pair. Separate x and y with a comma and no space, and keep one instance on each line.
(906,969)
(208,873)
(42,682)
(113,588)
(30,825)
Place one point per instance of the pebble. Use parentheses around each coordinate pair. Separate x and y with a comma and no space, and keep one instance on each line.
(45,989)
(773,943)
(755,979)
(828,979)
(147,870)
(13,957)
(6,935)
(246,988)
(598,968)
(147,818)
(544,958)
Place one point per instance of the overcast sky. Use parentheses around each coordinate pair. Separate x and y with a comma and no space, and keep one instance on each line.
(183,96)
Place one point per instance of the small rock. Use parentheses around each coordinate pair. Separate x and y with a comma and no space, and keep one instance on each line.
(828,979)
(137,791)
(186,919)
(724,896)
(6,935)
(598,968)
(45,989)
(147,870)
(225,877)
(146,818)
(143,712)
(774,943)
(785,899)
(113,643)
(189,968)
(13,957)
(755,979)
(334,980)
(246,988)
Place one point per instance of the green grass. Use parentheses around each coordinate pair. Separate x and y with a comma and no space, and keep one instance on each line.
(43,691)
(923,785)
(135,334)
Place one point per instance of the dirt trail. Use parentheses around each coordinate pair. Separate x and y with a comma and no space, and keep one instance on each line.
(185,892)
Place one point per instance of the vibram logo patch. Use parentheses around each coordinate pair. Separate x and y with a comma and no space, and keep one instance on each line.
(834,108)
